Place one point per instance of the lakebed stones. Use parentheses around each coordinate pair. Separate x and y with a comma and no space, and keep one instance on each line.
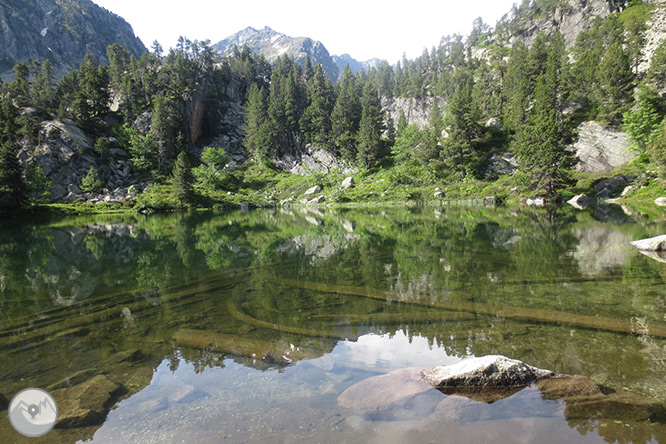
(86,404)
(473,383)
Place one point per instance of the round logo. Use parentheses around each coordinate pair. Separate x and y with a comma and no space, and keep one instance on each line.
(33,412)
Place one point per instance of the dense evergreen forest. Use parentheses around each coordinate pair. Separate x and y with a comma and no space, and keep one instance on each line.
(498,98)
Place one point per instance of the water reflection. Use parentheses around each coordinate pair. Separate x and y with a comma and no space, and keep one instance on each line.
(334,296)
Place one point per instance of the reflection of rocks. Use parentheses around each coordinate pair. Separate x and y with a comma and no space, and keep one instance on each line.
(485,379)
(473,385)
(87,403)
(610,213)
(579,202)
(659,256)
(422,288)
(657,243)
(600,248)
(319,247)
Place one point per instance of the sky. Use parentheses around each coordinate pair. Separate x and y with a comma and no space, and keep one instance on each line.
(364,29)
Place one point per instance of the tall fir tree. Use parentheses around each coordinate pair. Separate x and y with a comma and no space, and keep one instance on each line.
(346,116)
(615,85)
(539,144)
(316,120)
(517,88)
(12,188)
(182,180)
(257,125)
(370,129)
(464,129)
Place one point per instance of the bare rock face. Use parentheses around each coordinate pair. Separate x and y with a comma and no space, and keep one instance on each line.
(502,164)
(60,31)
(601,148)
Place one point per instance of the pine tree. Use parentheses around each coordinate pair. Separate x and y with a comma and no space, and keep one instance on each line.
(544,160)
(43,88)
(91,100)
(91,182)
(163,127)
(257,125)
(20,87)
(370,129)
(464,129)
(615,85)
(12,187)
(346,116)
(657,71)
(517,88)
(182,180)
(316,120)
(402,123)
(38,186)
(429,148)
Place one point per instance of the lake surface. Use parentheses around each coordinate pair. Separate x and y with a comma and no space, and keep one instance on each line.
(232,327)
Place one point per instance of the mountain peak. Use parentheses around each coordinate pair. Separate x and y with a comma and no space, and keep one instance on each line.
(273,44)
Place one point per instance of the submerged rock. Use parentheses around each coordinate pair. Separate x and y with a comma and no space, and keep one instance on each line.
(473,386)
(657,243)
(380,394)
(86,404)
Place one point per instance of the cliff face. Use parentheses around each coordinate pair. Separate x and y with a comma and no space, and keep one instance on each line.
(570,17)
(61,31)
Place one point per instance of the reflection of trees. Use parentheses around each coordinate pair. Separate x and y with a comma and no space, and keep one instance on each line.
(412,259)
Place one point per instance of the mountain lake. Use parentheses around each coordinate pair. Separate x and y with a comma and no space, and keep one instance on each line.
(208,327)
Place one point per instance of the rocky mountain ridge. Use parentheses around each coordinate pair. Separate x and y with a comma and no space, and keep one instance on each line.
(61,31)
(272,44)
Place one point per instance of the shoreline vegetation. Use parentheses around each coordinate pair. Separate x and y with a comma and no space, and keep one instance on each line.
(193,129)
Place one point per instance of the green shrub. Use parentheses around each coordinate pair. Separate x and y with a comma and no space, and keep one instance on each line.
(91,183)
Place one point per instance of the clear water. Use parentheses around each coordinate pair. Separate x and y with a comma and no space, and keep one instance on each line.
(303,304)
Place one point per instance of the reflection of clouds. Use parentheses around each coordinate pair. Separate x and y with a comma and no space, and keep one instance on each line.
(388,352)
(600,248)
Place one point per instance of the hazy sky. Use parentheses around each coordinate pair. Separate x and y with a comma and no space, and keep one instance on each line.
(362,28)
